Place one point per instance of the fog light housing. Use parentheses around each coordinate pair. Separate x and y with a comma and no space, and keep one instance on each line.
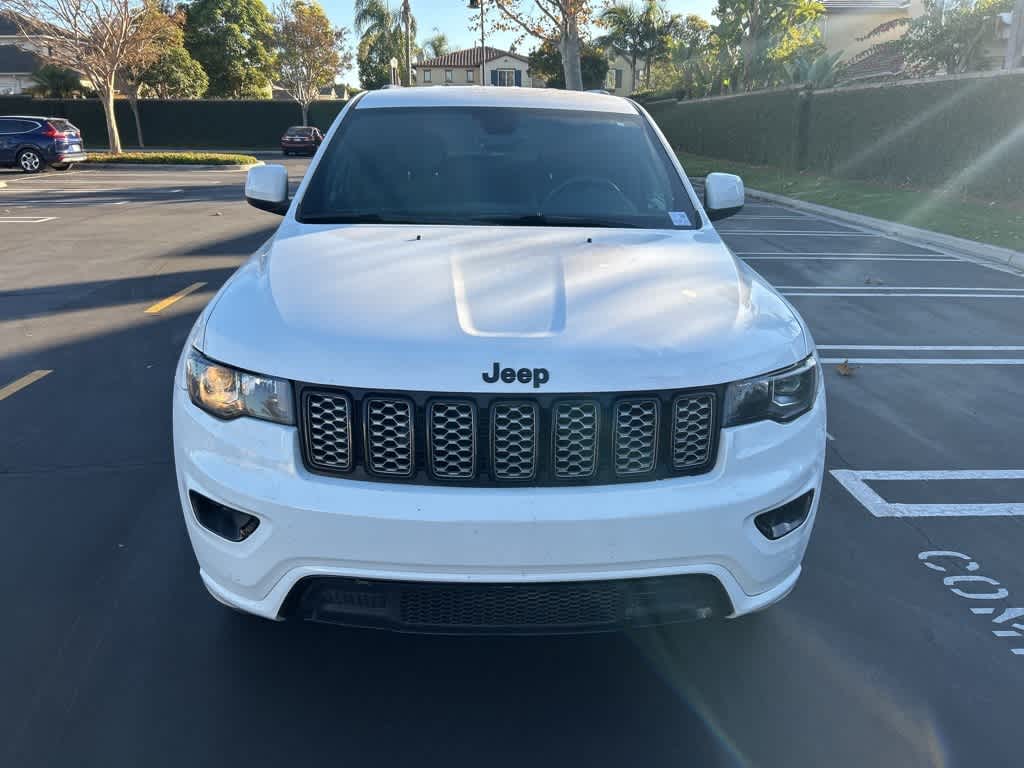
(228,523)
(780,521)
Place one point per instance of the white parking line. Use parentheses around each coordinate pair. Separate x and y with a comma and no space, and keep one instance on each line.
(26,219)
(853,481)
(923,360)
(917,295)
(925,347)
(798,233)
(880,288)
(836,257)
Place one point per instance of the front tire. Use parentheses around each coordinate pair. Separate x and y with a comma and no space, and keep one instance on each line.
(30,161)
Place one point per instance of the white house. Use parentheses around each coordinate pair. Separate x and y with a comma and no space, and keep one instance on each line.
(17,61)
(502,68)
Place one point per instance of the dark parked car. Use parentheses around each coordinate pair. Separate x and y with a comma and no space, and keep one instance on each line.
(301,138)
(32,143)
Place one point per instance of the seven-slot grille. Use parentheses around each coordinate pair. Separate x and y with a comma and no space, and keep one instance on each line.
(481,440)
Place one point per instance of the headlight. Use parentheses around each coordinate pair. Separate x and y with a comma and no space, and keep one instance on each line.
(778,396)
(228,393)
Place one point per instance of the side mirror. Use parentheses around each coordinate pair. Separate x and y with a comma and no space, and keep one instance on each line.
(723,195)
(266,188)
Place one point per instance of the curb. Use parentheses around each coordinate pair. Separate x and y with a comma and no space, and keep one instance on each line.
(166,166)
(968,249)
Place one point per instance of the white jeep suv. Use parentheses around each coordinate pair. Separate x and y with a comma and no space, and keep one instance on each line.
(497,372)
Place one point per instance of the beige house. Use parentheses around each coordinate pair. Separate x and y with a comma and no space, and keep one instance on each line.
(501,68)
(619,80)
(845,21)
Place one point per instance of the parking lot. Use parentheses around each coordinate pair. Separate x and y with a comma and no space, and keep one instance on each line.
(902,645)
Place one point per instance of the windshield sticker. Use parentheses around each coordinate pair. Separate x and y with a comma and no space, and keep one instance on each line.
(679,219)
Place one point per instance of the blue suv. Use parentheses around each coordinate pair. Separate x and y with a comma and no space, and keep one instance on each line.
(32,143)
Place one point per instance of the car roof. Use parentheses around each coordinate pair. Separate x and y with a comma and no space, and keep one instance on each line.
(494,96)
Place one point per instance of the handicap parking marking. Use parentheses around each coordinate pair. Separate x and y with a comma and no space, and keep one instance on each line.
(855,482)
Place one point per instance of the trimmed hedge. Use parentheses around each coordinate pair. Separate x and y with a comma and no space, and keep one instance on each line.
(966,131)
(173,158)
(754,128)
(186,123)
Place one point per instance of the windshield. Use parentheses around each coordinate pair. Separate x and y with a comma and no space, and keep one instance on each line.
(497,166)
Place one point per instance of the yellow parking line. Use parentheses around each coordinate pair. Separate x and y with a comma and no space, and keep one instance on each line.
(160,306)
(19,384)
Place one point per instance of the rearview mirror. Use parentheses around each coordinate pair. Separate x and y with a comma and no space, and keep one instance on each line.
(723,195)
(266,188)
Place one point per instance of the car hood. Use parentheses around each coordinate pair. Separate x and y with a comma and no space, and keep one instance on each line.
(433,307)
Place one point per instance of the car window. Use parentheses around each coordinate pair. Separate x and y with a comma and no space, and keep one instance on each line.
(498,165)
(298,130)
(15,125)
(61,125)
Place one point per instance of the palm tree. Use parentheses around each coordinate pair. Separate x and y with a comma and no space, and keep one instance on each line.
(640,34)
(436,45)
(625,34)
(376,19)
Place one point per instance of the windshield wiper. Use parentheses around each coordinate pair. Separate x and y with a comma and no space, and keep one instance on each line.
(542,220)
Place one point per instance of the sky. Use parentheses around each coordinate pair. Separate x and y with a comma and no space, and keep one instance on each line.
(453,17)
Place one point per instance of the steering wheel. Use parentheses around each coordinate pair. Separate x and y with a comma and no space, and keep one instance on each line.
(592,181)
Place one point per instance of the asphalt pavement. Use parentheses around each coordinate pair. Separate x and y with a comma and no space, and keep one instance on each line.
(902,645)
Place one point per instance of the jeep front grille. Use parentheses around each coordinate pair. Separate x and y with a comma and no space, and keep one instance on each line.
(475,439)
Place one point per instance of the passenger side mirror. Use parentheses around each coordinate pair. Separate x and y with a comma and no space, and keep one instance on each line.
(723,195)
(266,188)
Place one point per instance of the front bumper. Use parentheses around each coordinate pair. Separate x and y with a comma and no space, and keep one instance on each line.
(313,526)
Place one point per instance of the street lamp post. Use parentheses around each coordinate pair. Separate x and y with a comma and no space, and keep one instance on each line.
(394,71)
(473,5)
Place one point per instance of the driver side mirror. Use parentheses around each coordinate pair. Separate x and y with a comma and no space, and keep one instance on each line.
(723,195)
(266,188)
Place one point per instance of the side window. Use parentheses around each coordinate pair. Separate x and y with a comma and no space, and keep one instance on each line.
(469,75)
(426,75)
(618,79)
(6,126)
(448,75)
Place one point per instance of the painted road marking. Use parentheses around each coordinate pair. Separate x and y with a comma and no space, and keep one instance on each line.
(26,219)
(917,295)
(19,384)
(854,482)
(923,360)
(749,256)
(881,288)
(160,306)
(975,587)
(797,233)
(925,347)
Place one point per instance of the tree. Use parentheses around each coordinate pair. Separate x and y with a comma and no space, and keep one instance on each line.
(555,21)
(624,35)
(436,45)
(53,82)
(176,75)
(546,63)
(383,38)
(949,36)
(95,37)
(310,51)
(644,35)
(232,40)
(820,71)
(158,32)
(766,34)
